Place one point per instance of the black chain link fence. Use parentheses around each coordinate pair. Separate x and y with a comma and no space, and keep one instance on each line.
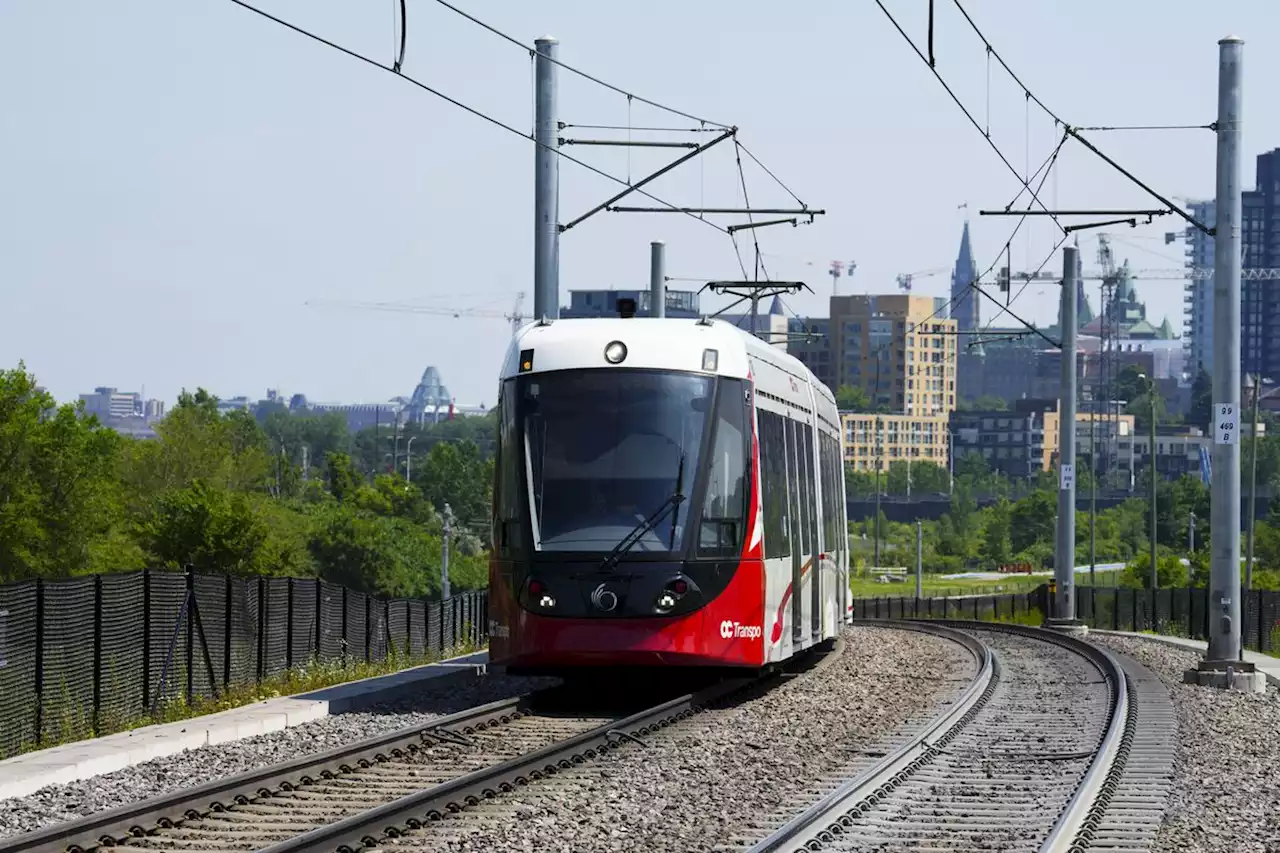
(1178,612)
(92,655)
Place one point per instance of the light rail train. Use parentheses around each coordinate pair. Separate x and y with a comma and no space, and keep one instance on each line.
(667,492)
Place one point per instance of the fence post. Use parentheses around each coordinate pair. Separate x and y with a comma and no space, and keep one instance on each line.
(226,634)
(344,627)
(263,591)
(97,653)
(386,625)
(191,637)
(368,634)
(146,638)
(319,614)
(39,660)
(288,622)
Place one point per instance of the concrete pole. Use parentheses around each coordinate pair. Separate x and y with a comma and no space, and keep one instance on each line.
(1093,493)
(1224,513)
(1064,560)
(657,279)
(1253,485)
(444,562)
(1155,486)
(546,184)
(919,560)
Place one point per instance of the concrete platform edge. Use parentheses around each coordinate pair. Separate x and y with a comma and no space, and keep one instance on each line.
(1267,665)
(25,774)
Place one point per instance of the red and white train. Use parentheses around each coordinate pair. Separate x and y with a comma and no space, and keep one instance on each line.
(668,492)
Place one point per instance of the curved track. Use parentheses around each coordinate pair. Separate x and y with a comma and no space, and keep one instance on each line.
(1037,754)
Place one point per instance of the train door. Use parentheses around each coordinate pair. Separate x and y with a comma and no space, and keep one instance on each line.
(797,525)
(808,486)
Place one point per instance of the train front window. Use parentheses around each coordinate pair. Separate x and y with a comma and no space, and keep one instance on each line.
(605,449)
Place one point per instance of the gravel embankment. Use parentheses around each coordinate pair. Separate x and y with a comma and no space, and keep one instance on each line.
(58,803)
(1226,791)
(697,784)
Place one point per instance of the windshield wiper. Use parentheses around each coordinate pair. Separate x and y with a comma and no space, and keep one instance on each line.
(655,518)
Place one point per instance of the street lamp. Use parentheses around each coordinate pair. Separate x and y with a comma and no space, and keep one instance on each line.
(1256,382)
(1151,399)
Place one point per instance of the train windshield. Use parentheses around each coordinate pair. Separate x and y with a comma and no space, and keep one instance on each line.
(604,450)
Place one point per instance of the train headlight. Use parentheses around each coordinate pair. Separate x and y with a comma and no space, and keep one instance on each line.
(666,601)
(547,601)
(615,352)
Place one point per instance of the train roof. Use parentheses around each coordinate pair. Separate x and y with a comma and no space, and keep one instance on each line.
(655,343)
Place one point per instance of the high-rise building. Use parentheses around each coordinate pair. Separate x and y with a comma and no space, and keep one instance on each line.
(896,350)
(1198,297)
(965,304)
(109,403)
(1259,298)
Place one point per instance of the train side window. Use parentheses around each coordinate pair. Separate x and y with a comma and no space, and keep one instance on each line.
(507,500)
(808,488)
(721,527)
(773,476)
(795,514)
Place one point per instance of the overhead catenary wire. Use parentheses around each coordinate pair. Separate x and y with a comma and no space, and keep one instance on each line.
(1013,170)
(465,107)
(583,74)
(1073,130)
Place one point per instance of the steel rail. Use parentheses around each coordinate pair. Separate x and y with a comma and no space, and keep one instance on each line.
(808,826)
(1074,825)
(392,820)
(170,810)
(824,821)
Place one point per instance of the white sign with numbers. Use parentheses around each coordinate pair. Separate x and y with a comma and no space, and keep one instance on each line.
(1066,476)
(1226,423)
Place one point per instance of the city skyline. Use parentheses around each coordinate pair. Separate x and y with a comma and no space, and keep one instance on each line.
(211,203)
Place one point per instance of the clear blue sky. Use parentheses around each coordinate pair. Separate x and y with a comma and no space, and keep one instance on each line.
(179,178)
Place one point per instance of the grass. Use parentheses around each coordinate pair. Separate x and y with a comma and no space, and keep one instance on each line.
(305,678)
(936,586)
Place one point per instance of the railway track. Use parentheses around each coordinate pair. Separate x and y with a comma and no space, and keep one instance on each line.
(1056,745)
(358,796)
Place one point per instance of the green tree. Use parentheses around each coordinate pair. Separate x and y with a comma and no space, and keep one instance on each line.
(455,473)
(852,398)
(1032,520)
(208,528)
(341,476)
(1169,571)
(60,496)
(995,535)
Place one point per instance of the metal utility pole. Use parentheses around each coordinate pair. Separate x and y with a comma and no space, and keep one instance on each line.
(444,562)
(1191,533)
(1093,491)
(1065,556)
(1155,483)
(1224,501)
(408,460)
(1253,484)
(546,183)
(657,279)
(878,463)
(919,560)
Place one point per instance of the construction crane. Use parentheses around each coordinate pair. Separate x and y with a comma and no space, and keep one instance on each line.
(515,317)
(906,278)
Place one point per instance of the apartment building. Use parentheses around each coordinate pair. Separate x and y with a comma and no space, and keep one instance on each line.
(876,441)
(897,350)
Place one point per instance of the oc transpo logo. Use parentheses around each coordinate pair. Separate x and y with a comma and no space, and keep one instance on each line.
(604,599)
(730,629)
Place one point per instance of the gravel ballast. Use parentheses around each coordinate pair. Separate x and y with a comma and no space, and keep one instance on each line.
(1226,791)
(57,803)
(695,785)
